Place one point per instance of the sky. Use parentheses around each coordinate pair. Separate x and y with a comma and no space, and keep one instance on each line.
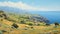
(32,5)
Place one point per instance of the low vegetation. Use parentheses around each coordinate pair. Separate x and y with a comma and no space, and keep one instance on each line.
(26,24)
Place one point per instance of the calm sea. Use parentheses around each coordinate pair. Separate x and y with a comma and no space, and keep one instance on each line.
(52,16)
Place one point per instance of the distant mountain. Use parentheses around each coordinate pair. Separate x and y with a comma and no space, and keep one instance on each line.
(11,9)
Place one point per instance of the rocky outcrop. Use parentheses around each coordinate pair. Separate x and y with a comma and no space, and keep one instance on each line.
(39,19)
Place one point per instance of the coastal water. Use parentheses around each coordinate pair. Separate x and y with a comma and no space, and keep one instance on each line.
(52,16)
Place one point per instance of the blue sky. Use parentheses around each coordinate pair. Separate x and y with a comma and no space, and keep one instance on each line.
(37,5)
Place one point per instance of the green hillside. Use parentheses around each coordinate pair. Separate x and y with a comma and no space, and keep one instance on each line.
(12,23)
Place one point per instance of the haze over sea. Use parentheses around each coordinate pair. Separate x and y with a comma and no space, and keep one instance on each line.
(52,16)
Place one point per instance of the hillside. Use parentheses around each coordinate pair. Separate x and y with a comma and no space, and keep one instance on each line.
(26,24)
(24,17)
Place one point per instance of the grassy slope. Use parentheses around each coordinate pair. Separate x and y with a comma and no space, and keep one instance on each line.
(6,25)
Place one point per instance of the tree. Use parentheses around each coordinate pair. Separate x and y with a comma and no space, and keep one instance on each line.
(56,23)
(15,25)
(47,24)
(22,22)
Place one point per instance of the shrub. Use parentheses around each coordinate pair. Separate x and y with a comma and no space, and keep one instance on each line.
(1,19)
(5,16)
(55,31)
(1,16)
(9,19)
(38,24)
(25,28)
(4,31)
(1,32)
(30,24)
(22,22)
(56,23)
(32,27)
(15,25)
(47,24)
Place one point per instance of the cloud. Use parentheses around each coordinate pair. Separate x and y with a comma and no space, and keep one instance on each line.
(21,5)
(24,6)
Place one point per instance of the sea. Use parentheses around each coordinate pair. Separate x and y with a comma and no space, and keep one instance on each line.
(52,16)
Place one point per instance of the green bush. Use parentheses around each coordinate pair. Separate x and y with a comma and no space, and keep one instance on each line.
(14,25)
(32,27)
(56,23)
(22,22)
(10,19)
(47,24)
(38,24)
(1,32)
(30,24)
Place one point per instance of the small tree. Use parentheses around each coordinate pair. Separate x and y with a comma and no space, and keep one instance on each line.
(56,23)
(30,24)
(47,24)
(15,25)
(22,22)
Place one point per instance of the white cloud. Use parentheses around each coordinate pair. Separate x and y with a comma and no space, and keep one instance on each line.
(22,6)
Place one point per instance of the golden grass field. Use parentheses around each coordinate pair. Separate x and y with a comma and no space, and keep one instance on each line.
(26,29)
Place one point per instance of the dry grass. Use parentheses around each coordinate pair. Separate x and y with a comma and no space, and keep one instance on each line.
(6,25)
